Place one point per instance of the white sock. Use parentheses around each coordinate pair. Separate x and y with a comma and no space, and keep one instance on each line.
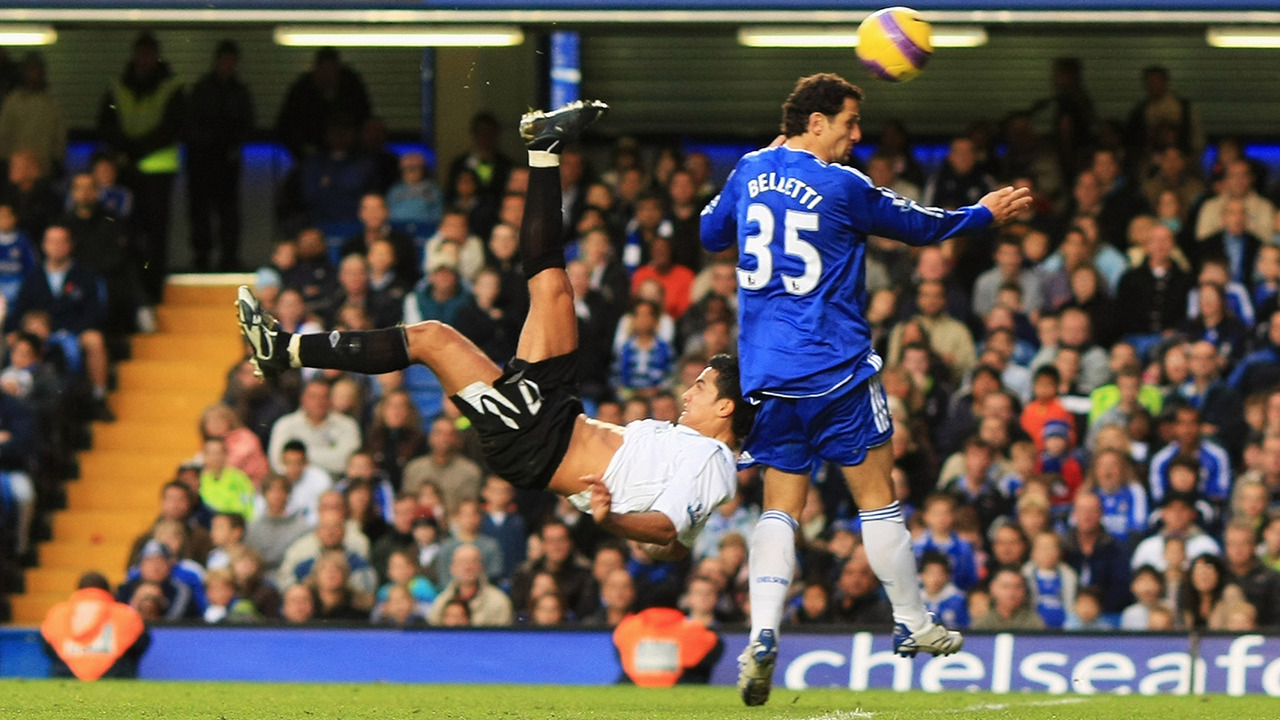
(772,564)
(889,552)
(543,158)
(295,343)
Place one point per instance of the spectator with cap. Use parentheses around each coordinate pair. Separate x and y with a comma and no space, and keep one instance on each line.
(440,295)
(156,568)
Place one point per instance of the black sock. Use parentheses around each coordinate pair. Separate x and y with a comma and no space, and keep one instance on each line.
(542,228)
(372,352)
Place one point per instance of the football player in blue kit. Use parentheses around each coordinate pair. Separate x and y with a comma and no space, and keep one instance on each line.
(800,223)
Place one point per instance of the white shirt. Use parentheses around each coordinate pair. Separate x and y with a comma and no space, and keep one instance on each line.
(671,469)
(1151,551)
(329,444)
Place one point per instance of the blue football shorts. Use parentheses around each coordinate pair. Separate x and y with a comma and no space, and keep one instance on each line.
(839,427)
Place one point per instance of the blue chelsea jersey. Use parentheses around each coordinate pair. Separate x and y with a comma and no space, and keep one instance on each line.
(801,228)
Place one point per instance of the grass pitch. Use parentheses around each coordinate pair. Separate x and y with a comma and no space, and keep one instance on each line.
(64,700)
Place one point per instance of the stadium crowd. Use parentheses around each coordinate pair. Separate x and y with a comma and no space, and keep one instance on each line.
(1086,402)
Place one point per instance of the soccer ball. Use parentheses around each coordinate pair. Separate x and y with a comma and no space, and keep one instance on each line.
(894,43)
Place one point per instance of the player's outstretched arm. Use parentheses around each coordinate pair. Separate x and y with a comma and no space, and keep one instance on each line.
(1006,203)
(654,530)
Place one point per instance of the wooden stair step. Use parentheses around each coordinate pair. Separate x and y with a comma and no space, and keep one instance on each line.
(117,468)
(145,435)
(207,376)
(226,347)
(207,295)
(203,319)
(125,495)
(64,579)
(177,405)
(103,526)
(30,609)
(58,553)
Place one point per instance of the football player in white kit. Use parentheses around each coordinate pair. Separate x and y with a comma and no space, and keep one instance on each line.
(652,481)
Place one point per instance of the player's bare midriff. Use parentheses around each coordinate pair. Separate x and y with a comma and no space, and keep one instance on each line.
(591,448)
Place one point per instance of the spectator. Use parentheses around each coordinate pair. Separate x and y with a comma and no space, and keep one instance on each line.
(226,530)
(570,571)
(330,534)
(178,503)
(156,567)
(947,336)
(415,201)
(483,158)
(1178,514)
(439,296)
(1259,583)
(1053,583)
(1098,558)
(19,443)
(1214,464)
(374,217)
(355,294)
(1153,294)
(275,527)
(102,244)
(32,119)
(224,488)
(1162,118)
(404,571)
(396,436)
(486,604)
(643,360)
(503,522)
(1010,606)
(224,604)
(1008,269)
(30,194)
(68,292)
(244,450)
(17,258)
(1260,369)
(221,120)
(1087,614)
(327,90)
(857,598)
(1237,185)
(676,280)
(464,529)
(339,596)
(453,243)
(329,437)
(617,599)
(298,605)
(959,181)
(333,180)
(941,596)
(940,537)
(454,476)
(399,609)
(142,118)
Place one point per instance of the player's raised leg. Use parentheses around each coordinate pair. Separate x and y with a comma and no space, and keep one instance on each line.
(889,551)
(454,359)
(551,328)
(771,566)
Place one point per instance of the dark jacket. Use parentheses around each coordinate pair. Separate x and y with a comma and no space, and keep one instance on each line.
(1107,569)
(79,307)
(1153,305)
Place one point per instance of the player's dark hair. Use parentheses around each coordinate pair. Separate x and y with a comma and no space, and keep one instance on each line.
(729,385)
(824,93)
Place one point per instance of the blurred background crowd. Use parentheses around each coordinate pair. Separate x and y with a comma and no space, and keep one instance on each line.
(1085,401)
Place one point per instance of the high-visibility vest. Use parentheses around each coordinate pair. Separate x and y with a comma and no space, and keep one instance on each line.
(91,631)
(656,645)
(140,115)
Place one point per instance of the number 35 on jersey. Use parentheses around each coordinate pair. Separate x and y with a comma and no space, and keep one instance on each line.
(759,245)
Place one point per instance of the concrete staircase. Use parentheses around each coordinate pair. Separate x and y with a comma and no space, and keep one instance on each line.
(173,375)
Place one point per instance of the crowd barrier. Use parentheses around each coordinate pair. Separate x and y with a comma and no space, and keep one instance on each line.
(1145,664)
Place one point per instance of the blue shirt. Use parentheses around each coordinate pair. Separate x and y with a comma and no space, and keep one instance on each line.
(1215,471)
(1049,598)
(964,568)
(801,228)
(1124,512)
(950,606)
(16,260)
